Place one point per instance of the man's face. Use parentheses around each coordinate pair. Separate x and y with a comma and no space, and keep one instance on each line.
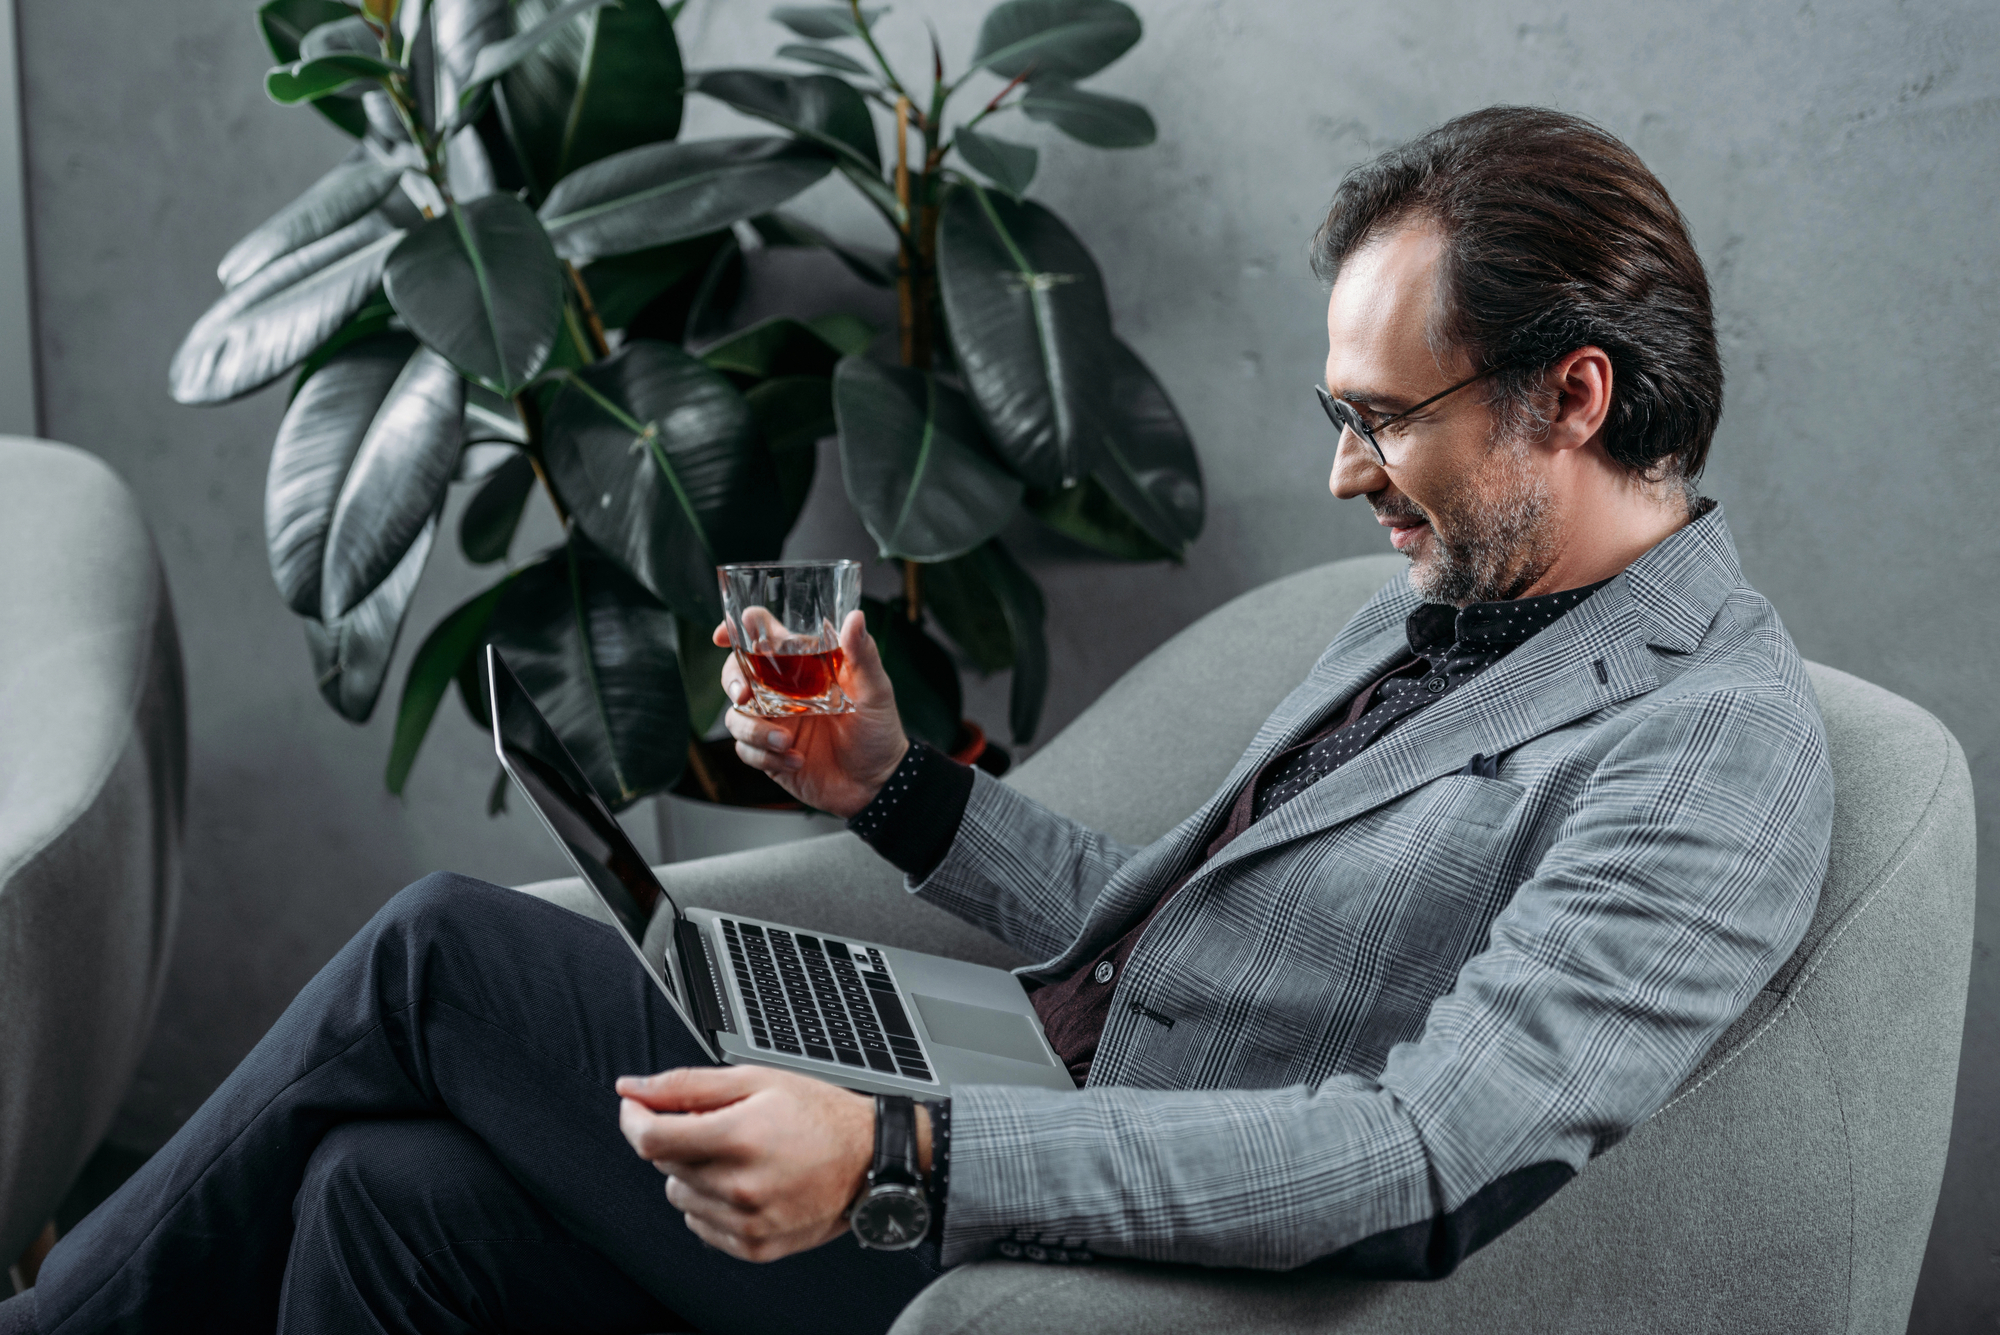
(1470,510)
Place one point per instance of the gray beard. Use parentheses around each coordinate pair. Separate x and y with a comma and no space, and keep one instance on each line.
(1500,543)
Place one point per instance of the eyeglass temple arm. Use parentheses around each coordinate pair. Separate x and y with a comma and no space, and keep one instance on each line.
(1495,370)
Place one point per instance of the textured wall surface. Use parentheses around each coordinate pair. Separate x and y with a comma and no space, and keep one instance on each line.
(1837,161)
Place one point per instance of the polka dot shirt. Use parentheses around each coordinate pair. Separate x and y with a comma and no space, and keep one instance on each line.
(1448,646)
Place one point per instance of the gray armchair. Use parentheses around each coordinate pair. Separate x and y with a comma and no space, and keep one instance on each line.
(93,766)
(1787,1187)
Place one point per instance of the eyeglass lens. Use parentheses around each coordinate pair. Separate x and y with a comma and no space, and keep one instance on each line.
(1343,416)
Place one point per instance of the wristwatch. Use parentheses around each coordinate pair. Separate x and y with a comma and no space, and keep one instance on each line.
(891,1214)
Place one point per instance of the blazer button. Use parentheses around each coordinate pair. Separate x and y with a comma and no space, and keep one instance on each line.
(1011,1250)
(1034,1253)
(1104,971)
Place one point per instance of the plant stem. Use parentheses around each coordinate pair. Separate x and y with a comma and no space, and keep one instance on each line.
(530,414)
(906,288)
(590,318)
(913,590)
(881,61)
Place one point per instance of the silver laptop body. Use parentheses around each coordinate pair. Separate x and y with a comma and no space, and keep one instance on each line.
(860,1014)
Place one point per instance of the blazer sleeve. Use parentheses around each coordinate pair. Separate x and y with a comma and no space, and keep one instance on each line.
(1020,871)
(1678,882)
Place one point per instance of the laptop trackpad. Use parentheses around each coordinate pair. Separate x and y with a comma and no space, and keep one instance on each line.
(981,1028)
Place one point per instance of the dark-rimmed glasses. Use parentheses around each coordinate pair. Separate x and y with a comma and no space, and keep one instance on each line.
(1345,416)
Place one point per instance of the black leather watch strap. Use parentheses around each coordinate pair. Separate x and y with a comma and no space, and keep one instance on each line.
(895,1141)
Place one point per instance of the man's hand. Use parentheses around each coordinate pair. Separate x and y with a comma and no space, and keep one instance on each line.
(763,1163)
(835,762)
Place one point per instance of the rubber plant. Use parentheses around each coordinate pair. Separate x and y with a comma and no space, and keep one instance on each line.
(515,281)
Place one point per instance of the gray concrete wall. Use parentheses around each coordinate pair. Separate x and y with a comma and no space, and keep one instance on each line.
(1837,160)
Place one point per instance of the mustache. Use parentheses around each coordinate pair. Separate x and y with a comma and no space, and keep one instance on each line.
(1401,507)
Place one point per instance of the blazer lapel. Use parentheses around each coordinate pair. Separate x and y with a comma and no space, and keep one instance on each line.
(1545,683)
(1372,641)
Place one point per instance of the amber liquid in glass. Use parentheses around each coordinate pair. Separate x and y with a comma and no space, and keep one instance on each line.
(796,676)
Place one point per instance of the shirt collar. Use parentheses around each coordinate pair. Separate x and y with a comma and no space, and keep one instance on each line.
(1495,625)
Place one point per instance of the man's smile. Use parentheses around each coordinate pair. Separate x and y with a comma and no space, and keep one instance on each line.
(1403,533)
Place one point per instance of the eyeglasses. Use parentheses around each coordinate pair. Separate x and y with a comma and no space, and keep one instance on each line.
(1346,417)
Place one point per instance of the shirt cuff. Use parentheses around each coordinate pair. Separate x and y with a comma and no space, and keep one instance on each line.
(913,820)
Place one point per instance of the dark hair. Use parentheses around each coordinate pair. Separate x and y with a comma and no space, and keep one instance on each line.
(1555,237)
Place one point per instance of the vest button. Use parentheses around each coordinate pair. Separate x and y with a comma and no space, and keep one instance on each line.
(1104,971)
(1434,684)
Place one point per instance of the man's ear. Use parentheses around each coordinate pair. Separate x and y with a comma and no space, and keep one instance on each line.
(1581,382)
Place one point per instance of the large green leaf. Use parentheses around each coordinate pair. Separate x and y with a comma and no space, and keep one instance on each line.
(270,322)
(486,528)
(1087,514)
(993,610)
(1090,118)
(823,56)
(658,461)
(359,468)
(916,463)
(1009,166)
(482,287)
(461,29)
(591,87)
(435,665)
(351,655)
(497,58)
(630,89)
(284,24)
(870,266)
(623,285)
(1149,465)
(596,651)
(774,347)
(318,438)
(335,200)
(928,697)
(701,674)
(1062,39)
(331,57)
(1031,330)
(824,23)
(669,192)
(821,107)
(373,318)
(534,97)
(793,414)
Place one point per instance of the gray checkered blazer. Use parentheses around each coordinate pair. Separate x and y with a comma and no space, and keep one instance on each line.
(1412,995)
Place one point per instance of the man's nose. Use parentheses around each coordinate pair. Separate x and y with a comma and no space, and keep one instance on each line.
(1356,470)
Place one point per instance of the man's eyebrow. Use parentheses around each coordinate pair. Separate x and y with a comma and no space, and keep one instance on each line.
(1375,400)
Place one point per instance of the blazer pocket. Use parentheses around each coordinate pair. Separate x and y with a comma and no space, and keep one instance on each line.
(1467,799)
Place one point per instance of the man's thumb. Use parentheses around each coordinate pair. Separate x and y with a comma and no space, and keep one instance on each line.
(868,681)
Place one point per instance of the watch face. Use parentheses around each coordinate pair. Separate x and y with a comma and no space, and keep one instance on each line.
(892,1218)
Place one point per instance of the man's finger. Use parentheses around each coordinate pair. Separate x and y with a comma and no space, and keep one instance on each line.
(867,681)
(756,731)
(720,639)
(680,1138)
(694,1088)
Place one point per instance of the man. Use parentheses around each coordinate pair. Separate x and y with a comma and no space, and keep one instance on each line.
(1533,831)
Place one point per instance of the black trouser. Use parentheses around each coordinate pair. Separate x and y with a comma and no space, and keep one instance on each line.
(427,1140)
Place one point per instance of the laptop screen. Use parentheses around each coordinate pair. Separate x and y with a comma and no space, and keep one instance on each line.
(556,785)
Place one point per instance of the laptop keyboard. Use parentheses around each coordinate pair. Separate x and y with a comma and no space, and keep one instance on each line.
(811,997)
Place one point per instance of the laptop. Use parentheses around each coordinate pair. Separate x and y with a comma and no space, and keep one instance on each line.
(871,1017)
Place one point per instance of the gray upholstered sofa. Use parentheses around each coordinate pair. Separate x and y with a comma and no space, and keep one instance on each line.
(1788,1187)
(93,765)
